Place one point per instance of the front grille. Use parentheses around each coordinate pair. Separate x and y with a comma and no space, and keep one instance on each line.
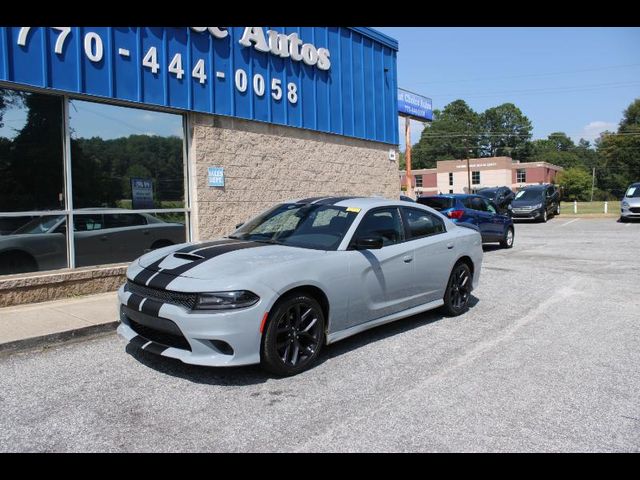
(186,300)
(163,338)
(634,209)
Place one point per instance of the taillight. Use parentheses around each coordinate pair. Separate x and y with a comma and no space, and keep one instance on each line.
(456,214)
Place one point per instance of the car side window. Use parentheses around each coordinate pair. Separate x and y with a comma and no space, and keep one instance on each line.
(478,203)
(385,223)
(87,223)
(422,224)
(489,207)
(118,220)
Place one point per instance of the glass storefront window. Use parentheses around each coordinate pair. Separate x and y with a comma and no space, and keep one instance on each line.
(122,160)
(31,153)
(39,243)
(125,157)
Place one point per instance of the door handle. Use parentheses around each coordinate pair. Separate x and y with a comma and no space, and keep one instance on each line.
(146,232)
(407,258)
(450,245)
(103,237)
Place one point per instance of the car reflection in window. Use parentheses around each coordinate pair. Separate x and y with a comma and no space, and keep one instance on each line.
(41,244)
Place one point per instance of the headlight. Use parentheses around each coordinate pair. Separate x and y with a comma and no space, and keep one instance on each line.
(226,300)
(535,207)
(625,204)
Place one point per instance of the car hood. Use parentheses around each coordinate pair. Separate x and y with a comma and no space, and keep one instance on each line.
(223,258)
(633,201)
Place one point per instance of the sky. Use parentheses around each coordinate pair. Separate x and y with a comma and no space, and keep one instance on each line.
(574,80)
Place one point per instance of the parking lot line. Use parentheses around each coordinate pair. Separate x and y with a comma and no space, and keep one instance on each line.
(570,221)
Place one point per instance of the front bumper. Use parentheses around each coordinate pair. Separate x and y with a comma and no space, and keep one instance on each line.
(225,338)
(632,211)
(524,214)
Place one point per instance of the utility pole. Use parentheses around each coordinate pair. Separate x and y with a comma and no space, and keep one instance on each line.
(593,182)
(407,155)
(467,153)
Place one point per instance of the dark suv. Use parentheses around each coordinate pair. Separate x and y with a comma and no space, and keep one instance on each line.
(536,202)
(500,196)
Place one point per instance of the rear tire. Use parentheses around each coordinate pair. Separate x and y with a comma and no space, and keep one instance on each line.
(509,235)
(294,335)
(17,262)
(557,210)
(456,297)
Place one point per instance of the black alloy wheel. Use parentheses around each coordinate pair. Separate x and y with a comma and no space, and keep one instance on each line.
(294,335)
(456,298)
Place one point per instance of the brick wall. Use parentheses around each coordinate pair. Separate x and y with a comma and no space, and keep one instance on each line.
(265,164)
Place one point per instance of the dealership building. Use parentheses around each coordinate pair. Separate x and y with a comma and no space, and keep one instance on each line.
(452,176)
(118,140)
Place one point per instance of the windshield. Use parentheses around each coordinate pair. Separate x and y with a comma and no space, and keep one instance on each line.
(320,227)
(633,192)
(437,203)
(38,225)
(529,195)
(490,194)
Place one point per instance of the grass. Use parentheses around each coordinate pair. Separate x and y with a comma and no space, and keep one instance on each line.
(613,208)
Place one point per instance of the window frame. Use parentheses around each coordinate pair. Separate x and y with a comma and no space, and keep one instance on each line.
(403,230)
(69,212)
(450,179)
(473,175)
(409,237)
(521,175)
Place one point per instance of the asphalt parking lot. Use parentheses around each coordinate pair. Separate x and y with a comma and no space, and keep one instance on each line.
(547,359)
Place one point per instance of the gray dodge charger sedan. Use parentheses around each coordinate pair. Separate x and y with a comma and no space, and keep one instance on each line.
(301,275)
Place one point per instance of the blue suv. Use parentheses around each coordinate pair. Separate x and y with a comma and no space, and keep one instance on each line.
(478,211)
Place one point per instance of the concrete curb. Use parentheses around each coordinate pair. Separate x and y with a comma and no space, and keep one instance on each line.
(55,339)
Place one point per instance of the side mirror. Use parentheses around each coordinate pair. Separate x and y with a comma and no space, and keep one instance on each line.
(369,243)
(239,225)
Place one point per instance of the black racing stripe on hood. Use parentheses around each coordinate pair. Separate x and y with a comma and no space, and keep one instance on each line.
(147,273)
(334,200)
(150,270)
(162,279)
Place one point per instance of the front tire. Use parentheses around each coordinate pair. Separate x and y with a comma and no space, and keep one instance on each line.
(456,297)
(294,335)
(509,235)
(544,216)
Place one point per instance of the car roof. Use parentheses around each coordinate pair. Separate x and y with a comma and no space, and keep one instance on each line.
(350,201)
(536,187)
(452,195)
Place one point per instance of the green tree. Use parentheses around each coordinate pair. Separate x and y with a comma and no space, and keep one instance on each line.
(619,154)
(631,116)
(576,183)
(454,133)
(557,149)
(506,132)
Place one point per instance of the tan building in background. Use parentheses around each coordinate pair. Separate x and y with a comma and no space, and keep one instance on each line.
(451,176)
